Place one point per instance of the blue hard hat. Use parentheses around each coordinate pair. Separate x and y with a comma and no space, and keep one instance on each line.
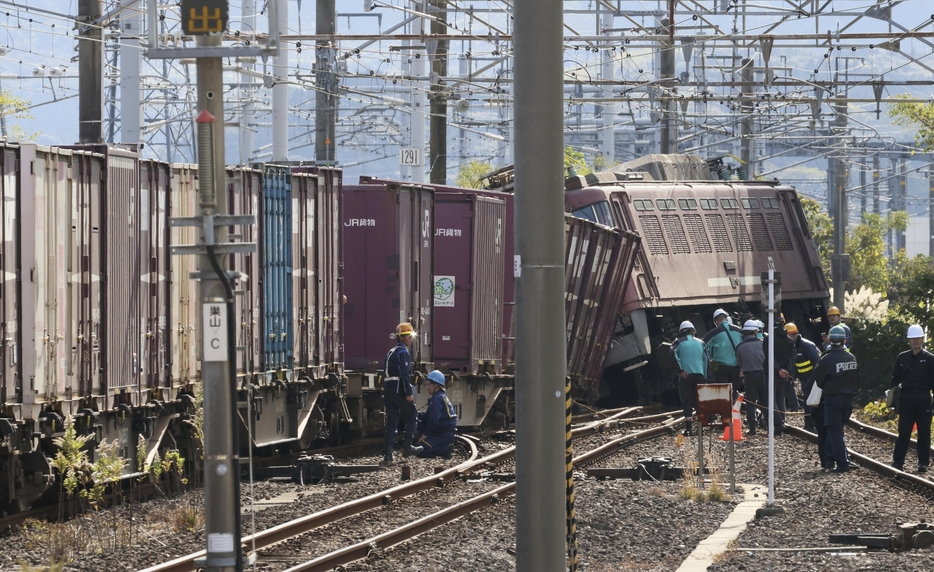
(436,377)
(837,334)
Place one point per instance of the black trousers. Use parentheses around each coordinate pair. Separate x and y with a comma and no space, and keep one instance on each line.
(914,408)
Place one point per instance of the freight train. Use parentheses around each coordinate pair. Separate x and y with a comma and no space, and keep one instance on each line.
(705,245)
(100,320)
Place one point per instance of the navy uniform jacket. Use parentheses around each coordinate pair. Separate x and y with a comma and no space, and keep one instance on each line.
(837,374)
(784,350)
(440,417)
(915,373)
(397,377)
(807,356)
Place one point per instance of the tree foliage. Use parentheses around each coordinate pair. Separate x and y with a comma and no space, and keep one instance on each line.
(14,107)
(821,226)
(469,175)
(919,116)
(912,291)
(576,160)
(866,246)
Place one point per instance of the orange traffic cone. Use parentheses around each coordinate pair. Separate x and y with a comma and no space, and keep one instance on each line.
(736,423)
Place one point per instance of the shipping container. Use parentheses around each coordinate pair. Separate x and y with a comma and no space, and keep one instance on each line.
(388,267)
(509,280)
(316,261)
(155,267)
(276,289)
(184,293)
(9,298)
(468,282)
(244,190)
(598,267)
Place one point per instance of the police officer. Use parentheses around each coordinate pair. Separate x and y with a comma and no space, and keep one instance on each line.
(838,377)
(914,372)
(691,356)
(398,396)
(721,342)
(833,318)
(436,425)
(751,359)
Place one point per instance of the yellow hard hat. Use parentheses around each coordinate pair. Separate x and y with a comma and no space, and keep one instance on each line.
(833,311)
(791,328)
(405,329)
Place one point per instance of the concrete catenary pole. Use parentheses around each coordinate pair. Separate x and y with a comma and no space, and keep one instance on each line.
(840,260)
(669,138)
(247,115)
(875,183)
(280,90)
(607,134)
(221,458)
(419,101)
(931,212)
(326,80)
(130,85)
(438,155)
(902,190)
(748,141)
(90,69)
(540,344)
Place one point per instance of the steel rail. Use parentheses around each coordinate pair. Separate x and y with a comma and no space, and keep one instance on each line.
(868,462)
(411,530)
(270,536)
(881,433)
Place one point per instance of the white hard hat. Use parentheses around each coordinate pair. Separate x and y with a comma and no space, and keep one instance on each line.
(915,332)
(761,325)
(686,325)
(719,312)
(751,326)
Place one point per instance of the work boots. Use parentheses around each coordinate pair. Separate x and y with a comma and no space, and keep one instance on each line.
(387,458)
(688,427)
(409,450)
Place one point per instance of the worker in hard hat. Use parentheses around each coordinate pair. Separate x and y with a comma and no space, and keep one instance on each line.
(398,394)
(721,342)
(833,318)
(750,356)
(914,373)
(436,426)
(807,357)
(837,375)
(691,356)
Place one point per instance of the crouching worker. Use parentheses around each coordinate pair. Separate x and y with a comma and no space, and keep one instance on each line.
(436,425)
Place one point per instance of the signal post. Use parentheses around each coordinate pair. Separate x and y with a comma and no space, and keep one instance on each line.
(206,20)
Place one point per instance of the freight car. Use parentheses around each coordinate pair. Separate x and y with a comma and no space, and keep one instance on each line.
(705,245)
(99,319)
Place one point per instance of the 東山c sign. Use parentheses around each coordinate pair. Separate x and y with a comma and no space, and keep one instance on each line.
(204,16)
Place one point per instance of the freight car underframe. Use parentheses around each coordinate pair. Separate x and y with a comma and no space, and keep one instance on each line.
(639,368)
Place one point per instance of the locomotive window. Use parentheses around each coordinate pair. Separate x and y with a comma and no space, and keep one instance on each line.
(729,204)
(751,203)
(770,203)
(643,204)
(687,204)
(708,204)
(665,204)
(602,212)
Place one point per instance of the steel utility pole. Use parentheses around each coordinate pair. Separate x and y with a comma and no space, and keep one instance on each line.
(326,80)
(438,124)
(280,89)
(669,136)
(130,30)
(540,344)
(90,69)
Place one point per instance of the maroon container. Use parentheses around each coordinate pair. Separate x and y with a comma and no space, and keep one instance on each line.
(468,282)
(509,280)
(154,183)
(388,230)
(598,267)
(316,262)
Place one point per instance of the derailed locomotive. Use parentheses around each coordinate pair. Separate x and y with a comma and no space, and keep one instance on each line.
(705,245)
(100,320)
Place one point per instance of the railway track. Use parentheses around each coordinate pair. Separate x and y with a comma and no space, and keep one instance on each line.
(874,465)
(281,533)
